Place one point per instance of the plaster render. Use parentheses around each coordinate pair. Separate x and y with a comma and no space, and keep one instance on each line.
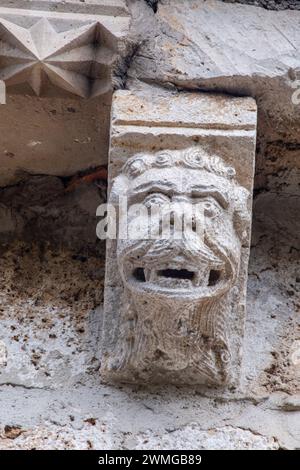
(75,130)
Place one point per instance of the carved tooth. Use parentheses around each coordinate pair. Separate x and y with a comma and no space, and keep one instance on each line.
(197,279)
(147,273)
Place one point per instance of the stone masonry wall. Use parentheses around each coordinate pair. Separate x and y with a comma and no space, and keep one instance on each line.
(52,266)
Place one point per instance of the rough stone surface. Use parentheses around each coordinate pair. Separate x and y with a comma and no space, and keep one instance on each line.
(49,316)
(270,4)
(153,4)
(53,212)
(169,49)
(47,405)
(227,438)
(223,55)
(267,4)
(89,436)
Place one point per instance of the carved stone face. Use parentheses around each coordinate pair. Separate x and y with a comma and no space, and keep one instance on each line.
(194,264)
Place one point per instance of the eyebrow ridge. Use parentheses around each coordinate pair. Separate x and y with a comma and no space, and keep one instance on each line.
(202,189)
(154,186)
(213,191)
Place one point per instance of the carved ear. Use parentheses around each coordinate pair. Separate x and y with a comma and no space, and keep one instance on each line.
(241,215)
(119,188)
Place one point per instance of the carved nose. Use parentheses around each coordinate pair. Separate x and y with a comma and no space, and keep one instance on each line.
(190,223)
(194,224)
(180,198)
(172,219)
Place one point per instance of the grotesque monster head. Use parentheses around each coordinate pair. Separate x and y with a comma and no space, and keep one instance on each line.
(190,216)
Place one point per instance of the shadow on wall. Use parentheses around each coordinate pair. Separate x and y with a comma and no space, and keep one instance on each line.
(59,212)
(53,136)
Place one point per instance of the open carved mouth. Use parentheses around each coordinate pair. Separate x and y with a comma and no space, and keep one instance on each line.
(177,277)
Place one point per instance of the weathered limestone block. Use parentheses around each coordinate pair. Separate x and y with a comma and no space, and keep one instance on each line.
(234,48)
(49,45)
(175,301)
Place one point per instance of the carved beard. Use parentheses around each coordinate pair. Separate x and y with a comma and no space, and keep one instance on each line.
(159,335)
(157,341)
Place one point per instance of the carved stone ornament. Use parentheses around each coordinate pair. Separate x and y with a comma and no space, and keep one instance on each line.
(47,49)
(174,306)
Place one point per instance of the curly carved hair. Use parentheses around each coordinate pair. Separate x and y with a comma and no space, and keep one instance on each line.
(193,157)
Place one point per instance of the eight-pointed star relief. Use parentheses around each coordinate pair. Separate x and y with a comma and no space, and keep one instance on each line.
(72,60)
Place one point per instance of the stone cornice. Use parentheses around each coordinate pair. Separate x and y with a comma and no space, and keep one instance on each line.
(50,51)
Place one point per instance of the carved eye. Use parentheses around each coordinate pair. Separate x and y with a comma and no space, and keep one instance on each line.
(158,199)
(211,209)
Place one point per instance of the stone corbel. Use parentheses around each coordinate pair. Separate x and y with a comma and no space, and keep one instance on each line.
(175,307)
(52,48)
